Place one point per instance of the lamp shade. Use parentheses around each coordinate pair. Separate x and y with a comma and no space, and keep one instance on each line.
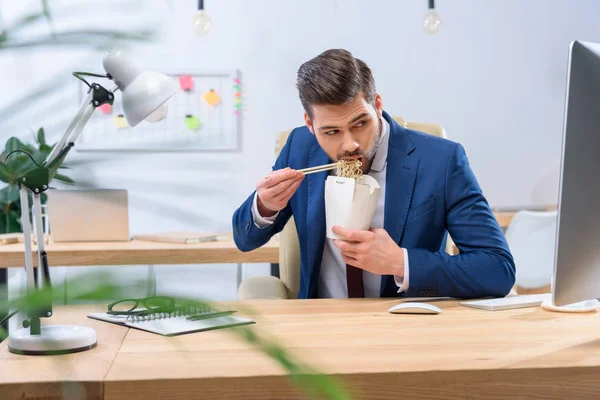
(142,91)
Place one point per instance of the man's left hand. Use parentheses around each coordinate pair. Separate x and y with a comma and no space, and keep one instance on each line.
(373,250)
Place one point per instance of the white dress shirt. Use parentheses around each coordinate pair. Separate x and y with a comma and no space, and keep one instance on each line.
(332,277)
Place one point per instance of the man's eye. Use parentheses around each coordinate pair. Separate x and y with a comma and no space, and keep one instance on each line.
(329,133)
(360,124)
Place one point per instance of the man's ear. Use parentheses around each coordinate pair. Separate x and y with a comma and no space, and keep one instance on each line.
(308,123)
(379,105)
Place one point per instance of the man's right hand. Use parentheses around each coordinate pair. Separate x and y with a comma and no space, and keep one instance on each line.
(276,189)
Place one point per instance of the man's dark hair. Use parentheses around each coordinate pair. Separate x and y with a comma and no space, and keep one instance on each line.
(334,77)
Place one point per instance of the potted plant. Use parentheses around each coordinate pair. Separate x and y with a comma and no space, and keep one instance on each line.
(14,162)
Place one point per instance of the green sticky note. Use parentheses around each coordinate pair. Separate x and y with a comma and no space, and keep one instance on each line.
(192,122)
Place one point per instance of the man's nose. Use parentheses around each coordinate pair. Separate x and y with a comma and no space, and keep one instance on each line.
(350,143)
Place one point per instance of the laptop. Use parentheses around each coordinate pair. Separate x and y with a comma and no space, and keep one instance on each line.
(98,215)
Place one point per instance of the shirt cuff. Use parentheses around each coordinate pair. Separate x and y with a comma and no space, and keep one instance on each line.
(400,282)
(260,221)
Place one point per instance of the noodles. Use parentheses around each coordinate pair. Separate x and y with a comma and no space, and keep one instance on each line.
(349,169)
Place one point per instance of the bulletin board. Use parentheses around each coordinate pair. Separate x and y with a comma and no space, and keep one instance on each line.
(204,115)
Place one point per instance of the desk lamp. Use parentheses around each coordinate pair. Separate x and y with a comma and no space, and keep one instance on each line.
(144,95)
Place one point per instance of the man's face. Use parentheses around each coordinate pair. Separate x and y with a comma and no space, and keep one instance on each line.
(348,131)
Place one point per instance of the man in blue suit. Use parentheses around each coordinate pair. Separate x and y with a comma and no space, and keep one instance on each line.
(427,190)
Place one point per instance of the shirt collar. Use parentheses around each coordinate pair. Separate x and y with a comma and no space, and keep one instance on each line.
(382,147)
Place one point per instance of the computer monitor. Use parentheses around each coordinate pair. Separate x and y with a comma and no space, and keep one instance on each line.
(577,252)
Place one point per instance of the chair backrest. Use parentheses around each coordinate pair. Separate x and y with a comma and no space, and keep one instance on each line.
(289,246)
(531,237)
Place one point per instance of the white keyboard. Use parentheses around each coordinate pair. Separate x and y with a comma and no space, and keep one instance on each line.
(508,303)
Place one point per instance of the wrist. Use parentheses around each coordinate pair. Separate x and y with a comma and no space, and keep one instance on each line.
(262,210)
(398,263)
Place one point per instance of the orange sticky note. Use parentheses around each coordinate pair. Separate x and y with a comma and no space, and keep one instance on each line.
(212,98)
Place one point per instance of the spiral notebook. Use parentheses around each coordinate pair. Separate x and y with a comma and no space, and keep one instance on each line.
(169,325)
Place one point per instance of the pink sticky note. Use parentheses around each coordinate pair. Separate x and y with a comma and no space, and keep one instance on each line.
(106,108)
(237,81)
(236,112)
(186,82)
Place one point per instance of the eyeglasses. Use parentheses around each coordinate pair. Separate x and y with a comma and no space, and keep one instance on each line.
(147,304)
(153,306)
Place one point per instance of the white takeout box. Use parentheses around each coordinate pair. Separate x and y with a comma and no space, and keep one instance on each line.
(350,203)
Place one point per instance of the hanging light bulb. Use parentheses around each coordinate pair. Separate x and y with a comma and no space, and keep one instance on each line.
(202,22)
(432,20)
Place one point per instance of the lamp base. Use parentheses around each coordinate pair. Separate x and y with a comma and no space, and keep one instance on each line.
(53,339)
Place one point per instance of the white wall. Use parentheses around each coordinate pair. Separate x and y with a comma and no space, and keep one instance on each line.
(494,77)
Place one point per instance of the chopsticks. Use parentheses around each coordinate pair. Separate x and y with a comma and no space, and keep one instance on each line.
(320,168)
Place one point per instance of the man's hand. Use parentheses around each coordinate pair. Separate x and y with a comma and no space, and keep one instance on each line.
(275,190)
(372,250)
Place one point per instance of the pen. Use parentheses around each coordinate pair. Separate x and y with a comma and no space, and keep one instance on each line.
(210,315)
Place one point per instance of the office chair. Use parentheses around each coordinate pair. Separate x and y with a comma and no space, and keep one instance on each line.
(531,238)
(288,284)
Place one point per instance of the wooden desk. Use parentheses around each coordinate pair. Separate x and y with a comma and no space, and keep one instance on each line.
(461,353)
(141,252)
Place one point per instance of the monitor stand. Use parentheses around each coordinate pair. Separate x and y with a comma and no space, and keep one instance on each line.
(582,306)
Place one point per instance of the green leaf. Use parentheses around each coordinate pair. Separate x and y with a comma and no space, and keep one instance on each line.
(9,194)
(64,178)
(41,137)
(5,175)
(40,156)
(9,222)
(14,143)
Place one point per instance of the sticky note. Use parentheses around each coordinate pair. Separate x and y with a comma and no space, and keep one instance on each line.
(192,122)
(236,81)
(212,98)
(120,122)
(237,87)
(105,108)
(186,82)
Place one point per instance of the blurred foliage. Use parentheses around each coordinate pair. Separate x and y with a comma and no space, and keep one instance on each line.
(11,168)
(99,288)
(88,38)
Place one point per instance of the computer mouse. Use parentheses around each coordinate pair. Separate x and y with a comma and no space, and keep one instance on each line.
(414,308)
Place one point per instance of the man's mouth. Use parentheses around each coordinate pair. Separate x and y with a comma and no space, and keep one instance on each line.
(356,157)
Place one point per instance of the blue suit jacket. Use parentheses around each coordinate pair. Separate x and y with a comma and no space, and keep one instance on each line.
(430,190)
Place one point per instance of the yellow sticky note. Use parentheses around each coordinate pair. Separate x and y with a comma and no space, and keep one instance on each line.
(212,98)
(120,122)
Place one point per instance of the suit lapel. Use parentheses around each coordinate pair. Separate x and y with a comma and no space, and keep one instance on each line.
(315,218)
(401,175)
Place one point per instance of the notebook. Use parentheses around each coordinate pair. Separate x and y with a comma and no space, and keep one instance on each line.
(174,325)
(508,303)
(179,237)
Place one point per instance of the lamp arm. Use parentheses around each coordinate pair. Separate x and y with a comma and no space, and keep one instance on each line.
(96,97)
(63,140)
